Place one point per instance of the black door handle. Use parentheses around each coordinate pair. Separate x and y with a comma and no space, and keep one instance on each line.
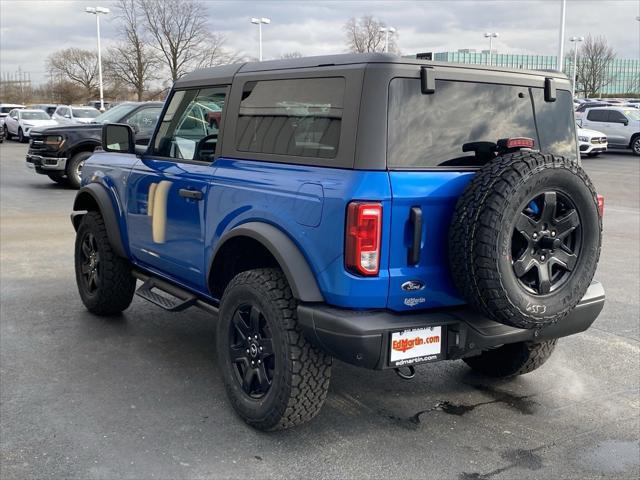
(415,218)
(192,194)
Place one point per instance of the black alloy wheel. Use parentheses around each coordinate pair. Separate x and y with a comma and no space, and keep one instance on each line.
(251,351)
(546,242)
(90,263)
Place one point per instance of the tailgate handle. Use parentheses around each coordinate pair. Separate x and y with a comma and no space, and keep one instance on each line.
(415,218)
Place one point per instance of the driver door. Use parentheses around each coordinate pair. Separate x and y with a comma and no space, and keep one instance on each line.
(169,186)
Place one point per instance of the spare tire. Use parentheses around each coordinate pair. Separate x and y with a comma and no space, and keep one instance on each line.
(525,238)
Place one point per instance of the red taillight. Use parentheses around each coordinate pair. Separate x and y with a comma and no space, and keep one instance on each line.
(362,243)
(601,205)
(520,142)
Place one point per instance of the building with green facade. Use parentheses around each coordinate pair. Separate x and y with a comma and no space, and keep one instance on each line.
(623,73)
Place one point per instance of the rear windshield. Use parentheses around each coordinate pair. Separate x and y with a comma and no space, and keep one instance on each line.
(445,128)
(85,112)
(299,117)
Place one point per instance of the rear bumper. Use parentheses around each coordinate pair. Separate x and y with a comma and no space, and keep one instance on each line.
(362,338)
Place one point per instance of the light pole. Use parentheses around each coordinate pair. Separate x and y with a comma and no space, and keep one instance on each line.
(97,11)
(563,11)
(575,63)
(387,32)
(259,22)
(490,36)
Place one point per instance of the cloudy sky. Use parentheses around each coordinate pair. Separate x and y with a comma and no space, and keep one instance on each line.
(32,29)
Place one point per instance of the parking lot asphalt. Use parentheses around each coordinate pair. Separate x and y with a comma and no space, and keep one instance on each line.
(139,396)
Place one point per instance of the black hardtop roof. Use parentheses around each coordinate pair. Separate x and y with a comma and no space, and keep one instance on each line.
(224,74)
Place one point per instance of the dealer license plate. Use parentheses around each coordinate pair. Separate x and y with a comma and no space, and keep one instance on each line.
(416,345)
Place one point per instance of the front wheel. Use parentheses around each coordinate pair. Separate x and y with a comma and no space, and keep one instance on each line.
(635,145)
(74,168)
(512,359)
(274,377)
(20,136)
(58,178)
(104,279)
(7,135)
(593,154)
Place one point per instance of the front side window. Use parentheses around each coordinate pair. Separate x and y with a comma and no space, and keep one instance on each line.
(144,120)
(461,123)
(190,126)
(617,117)
(299,117)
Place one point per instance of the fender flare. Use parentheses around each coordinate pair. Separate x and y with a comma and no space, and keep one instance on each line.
(102,198)
(294,265)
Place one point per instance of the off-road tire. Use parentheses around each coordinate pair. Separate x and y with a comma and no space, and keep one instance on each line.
(73,166)
(58,178)
(116,285)
(482,228)
(512,359)
(635,144)
(302,372)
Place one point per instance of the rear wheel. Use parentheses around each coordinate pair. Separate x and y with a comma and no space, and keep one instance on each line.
(74,168)
(274,377)
(104,279)
(513,359)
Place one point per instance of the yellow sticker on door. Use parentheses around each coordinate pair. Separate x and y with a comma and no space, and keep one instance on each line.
(157,209)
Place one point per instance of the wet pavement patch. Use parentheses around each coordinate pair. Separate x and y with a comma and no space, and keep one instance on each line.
(613,456)
(519,458)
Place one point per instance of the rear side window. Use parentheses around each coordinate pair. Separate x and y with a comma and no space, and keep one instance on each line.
(298,117)
(461,122)
(598,115)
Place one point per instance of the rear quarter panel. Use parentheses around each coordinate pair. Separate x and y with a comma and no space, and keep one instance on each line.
(308,204)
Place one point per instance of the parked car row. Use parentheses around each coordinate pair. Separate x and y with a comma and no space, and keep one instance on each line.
(61,150)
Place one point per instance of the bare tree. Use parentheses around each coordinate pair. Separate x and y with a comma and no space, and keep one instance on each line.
(215,53)
(181,35)
(363,35)
(592,73)
(131,62)
(77,66)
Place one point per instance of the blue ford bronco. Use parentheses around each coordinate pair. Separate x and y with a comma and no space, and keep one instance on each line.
(384,211)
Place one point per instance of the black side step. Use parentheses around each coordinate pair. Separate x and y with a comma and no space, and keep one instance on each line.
(174,304)
(181,298)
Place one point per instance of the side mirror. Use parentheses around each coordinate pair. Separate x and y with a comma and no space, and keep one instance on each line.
(118,137)
(66,115)
(625,122)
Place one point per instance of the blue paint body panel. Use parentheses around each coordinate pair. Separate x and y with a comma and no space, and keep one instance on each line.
(306,203)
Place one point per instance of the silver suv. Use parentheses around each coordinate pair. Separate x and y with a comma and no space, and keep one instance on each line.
(620,124)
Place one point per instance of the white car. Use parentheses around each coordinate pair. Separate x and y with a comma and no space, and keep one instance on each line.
(69,114)
(5,108)
(591,142)
(19,122)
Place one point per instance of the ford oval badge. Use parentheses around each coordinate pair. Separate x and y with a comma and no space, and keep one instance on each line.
(412,285)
